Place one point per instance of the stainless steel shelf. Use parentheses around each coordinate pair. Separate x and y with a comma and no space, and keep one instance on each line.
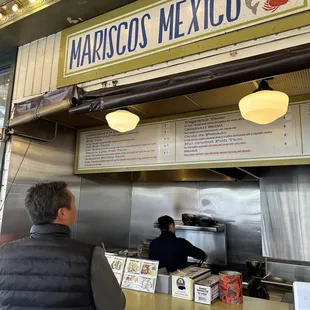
(215,228)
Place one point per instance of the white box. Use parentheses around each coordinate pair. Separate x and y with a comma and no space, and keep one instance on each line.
(301,295)
(163,283)
(183,281)
(207,290)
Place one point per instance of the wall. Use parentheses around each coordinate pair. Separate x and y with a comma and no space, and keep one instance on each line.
(237,204)
(37,67)
(285,200)
(103,205)
(120,213)
(104,213)
(31,162)
(42,56)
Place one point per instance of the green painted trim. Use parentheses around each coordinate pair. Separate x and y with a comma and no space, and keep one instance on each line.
(253,32)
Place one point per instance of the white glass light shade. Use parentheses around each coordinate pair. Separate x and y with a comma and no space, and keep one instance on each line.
(122,120)
(264,107)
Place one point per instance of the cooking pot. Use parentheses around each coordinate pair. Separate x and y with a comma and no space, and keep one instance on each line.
(206,221)
(189,219)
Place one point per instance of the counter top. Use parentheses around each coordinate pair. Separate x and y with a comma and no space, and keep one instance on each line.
(137,300)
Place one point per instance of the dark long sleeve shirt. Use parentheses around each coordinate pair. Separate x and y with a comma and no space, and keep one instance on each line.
(172,252)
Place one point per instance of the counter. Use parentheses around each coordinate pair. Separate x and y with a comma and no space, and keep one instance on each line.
(137,300)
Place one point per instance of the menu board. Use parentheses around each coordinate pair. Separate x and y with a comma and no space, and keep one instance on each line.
(225,137)
(149,144)
(229,136)
(117,264)
(305,121)
(140,275)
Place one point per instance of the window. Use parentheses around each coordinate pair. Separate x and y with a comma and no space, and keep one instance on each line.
(4,89)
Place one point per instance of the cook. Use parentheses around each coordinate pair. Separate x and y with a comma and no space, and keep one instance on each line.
(172,252)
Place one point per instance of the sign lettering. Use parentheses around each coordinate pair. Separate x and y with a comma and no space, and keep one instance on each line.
(164,25)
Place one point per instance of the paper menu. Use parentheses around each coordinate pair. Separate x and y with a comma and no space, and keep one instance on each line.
(140,275)
(117,264)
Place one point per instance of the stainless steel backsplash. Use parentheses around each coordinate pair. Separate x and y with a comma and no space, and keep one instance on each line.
(237,204)
(122,213)
(285,199)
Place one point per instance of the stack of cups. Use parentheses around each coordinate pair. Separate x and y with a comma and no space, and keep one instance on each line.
(231,287)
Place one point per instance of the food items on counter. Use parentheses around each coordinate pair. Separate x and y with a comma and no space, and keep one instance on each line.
(183,281)
(207,290)
(140,275)
(231,287)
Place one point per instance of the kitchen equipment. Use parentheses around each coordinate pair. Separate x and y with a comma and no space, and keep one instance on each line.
(231,287)
(206,222)
(254,264)
(275,279)
(189,219)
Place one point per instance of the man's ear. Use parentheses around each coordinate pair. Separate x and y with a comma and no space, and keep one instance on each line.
(61,214)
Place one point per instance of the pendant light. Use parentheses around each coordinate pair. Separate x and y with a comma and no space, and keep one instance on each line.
(264,105)
(122,120)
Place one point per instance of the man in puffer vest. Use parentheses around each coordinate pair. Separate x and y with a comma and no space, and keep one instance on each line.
(48,270)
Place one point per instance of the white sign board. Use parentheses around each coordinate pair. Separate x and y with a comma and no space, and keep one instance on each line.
(229,136)
(150,144)
(165,24)
(208,139)
(301,295)
(140,275)
(117,264)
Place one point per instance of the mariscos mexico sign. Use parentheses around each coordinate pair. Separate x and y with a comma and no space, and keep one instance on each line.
(150,27)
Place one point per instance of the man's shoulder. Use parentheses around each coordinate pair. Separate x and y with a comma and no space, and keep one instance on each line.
(81,243)
(182,241)
(13,243)
(155,241)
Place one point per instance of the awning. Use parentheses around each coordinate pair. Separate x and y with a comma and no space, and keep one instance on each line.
(227,74)
(76,101)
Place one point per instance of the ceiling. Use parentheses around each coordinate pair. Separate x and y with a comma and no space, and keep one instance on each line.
(295,84)
(54,18)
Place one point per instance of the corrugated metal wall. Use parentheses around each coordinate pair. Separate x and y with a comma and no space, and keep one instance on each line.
(37,67)
(37,63)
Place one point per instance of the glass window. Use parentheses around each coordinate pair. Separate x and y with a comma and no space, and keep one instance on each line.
(4,89)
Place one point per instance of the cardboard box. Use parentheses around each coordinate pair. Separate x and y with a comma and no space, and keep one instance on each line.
(183,281)
(207,290)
